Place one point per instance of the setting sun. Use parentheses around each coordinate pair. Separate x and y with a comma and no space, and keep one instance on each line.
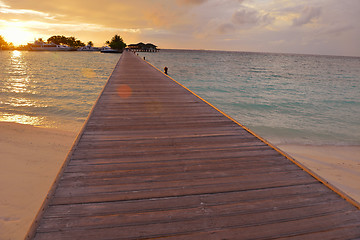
(16,35)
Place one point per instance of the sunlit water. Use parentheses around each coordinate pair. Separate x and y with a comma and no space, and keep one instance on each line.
(283,97)
(51,89)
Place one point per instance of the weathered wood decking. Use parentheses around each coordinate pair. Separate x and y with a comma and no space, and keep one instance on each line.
(155,161)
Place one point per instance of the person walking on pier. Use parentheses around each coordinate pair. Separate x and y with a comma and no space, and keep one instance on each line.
(166,70)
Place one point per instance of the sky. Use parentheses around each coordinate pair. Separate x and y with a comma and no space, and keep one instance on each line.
(329,27)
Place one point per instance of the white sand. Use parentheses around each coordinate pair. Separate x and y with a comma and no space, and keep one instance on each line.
(31,158)
(29,162)
(339,165)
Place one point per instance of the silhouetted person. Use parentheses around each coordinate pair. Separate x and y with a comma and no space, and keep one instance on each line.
(165,70)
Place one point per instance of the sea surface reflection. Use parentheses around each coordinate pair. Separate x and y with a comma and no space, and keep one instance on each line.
(50,89)
(18,80)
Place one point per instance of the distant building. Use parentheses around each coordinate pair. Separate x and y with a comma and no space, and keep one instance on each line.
(142,47)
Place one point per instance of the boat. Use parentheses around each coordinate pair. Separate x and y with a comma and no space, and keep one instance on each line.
(42,46)
(109,50)
(89,48)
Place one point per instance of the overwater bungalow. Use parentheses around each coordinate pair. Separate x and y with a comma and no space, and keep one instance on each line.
(142,47)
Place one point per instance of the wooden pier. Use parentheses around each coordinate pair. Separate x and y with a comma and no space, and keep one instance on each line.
(155,161)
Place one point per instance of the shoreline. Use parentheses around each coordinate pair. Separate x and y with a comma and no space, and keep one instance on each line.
(32,157)
(337,164)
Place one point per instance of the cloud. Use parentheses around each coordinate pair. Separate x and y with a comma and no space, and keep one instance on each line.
(307,16)
(225,28)
(191,2)
(245,17)
(110,14)
(6,9)
(2,4)
(250,17)
(337,31)
(249,25)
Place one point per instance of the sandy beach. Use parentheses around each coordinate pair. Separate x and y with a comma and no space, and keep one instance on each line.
(30,159)
(339,165)
(32,156)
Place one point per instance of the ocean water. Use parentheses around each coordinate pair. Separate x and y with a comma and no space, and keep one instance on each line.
(51,89)
(284,98)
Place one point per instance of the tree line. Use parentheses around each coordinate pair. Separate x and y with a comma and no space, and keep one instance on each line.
(69,41)
(4,44)
(115,43)
(59,40)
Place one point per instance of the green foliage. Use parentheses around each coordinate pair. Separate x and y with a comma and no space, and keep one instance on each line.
(90,43)
(70,41)
(57,40)
(117,43)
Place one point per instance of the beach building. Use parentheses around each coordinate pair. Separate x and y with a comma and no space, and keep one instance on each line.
(142,47)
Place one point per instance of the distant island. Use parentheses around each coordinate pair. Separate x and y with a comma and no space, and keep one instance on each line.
(62,43)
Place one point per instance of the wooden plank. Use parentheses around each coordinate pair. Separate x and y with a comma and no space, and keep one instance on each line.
(256,225)
(156,161)
(229,211)
(65,197)
(303,192)
(118,185)
(172,153)
(195,167)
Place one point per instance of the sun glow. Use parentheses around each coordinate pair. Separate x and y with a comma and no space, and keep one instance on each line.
(14,33)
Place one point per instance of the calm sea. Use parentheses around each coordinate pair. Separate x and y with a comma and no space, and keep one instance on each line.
(284,98)
(51,89)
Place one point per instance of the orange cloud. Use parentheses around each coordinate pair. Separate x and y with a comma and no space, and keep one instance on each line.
(191,2)
(211,24)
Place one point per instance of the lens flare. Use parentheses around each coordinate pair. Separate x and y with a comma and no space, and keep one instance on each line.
(124,91)
(88,73)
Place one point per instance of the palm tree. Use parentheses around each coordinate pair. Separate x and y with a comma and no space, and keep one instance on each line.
(116,43)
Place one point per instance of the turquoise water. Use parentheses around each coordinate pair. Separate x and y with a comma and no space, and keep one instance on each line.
(51,89)
(284,98)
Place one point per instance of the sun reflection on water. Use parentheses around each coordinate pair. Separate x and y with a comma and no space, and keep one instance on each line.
(15,89)
(22,119)
(18,81)
(18,85)
(16,53)
(23,102)
(51,89)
